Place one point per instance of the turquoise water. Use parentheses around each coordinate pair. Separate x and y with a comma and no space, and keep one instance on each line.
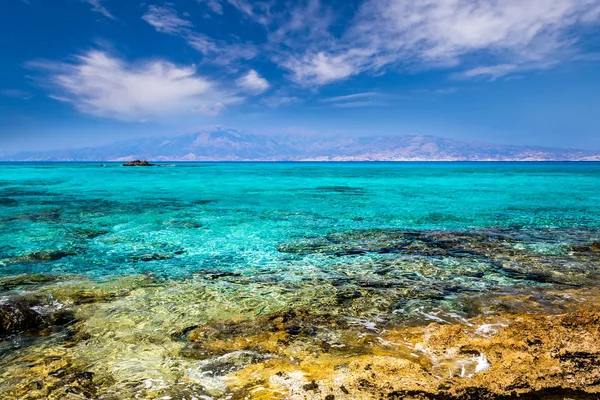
(166,282)
(177,220)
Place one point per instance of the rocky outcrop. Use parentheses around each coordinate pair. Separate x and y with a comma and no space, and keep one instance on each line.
(138,163)
(31,316)
(18,316)
(310,352)
(43,256)
(526,357)
(587,248)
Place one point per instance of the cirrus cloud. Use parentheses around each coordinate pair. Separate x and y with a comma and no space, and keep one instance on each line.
(99,8)
(165,19)
(424,34)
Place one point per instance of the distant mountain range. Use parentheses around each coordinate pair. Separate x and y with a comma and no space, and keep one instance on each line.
(224,144)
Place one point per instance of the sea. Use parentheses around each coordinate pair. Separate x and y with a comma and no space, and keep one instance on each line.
(120,264)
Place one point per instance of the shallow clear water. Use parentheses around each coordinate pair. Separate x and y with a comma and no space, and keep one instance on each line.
(235,216)
(140,255)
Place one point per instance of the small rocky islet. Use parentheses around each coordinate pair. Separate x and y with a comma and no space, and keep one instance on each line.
(138,163)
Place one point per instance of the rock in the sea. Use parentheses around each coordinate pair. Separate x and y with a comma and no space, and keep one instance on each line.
(31,316)
(5,201)
(138,163)
(150,257)
(18,316)
(12,282)
(529,357)
(43,256)
(587,248)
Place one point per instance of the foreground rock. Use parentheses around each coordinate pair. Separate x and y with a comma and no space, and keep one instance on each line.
(137,338)
(585,248)
(30,316)
(18,316)
(512,356)
(138,163)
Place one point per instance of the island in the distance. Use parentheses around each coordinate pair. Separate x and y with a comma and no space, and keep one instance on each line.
(224,144)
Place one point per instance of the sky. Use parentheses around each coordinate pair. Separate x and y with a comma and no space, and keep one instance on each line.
(90,72)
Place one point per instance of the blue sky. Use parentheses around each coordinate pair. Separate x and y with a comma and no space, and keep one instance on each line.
(90,72)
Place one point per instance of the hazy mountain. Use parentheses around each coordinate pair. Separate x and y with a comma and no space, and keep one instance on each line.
(231,145)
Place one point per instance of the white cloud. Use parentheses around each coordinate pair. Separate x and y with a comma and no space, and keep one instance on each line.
(309,39)
(253,82)
(492,71)
(99,84)
(220,52)
(279,100)
(258,11)
(165,19)
(243,6)
(304,24)
(99,8)
(359,104)
(319,68)
(214,5)
(441,31)
(211,110)
(427,34)
(352,97)
(355,100)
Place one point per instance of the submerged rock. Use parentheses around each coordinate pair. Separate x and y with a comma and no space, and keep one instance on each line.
(587,248)
(8,202)
(18,316)
(187,224)
(25,280)
(341,189)
(151,257)
(43,256)
(292,322)
(49,216)
(79,297)
(90,233)
(276,333)
(538,255)
(49,304)
(32,316)
(138,163)
(54,375)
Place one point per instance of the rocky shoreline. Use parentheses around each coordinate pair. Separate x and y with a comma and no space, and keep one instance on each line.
(478,314)
(86,344)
